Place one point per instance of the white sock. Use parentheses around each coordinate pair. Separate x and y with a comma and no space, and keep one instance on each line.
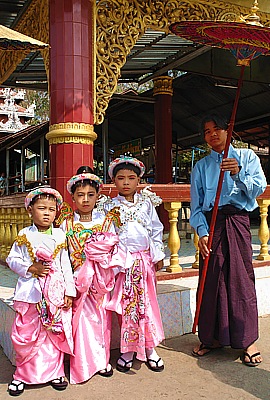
(109,367)
(152,355)
(127,357)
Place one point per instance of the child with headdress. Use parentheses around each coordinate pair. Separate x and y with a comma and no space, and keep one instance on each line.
(92,243)
(140,236)
(41,332)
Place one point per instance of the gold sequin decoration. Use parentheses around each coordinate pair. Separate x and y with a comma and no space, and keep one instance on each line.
(22,240)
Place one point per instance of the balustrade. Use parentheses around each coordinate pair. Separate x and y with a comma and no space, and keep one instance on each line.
(13,217)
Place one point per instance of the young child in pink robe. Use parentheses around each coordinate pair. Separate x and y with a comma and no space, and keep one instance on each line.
(91,241)
(41,332)
(140,236)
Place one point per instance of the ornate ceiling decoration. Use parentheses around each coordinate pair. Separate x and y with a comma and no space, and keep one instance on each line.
(120,23)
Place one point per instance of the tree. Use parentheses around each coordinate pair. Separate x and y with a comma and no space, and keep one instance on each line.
(42,103)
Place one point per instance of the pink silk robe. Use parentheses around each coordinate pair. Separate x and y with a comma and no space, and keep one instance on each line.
(39,351)
(135,298)
(91,320)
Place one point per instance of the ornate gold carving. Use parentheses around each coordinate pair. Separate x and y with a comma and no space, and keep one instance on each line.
(252,18)
(163,85)
(71,132)
(22,240)
(120,23)
(9,61)
(34,22)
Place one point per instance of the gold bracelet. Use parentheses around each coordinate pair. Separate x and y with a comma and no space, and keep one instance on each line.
(35,275)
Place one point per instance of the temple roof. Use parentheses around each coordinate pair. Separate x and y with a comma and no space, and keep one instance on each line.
(205,82)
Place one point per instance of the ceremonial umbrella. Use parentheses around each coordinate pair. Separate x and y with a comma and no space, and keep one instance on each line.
(246,40)
(13,40)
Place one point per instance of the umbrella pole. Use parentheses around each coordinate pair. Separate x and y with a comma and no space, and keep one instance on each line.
(215,208)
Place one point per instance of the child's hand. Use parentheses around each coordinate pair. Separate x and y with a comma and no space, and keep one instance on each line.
(159,265)
(38,269)
(67,302)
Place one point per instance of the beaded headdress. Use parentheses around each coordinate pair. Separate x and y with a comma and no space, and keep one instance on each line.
(126,160)
(43,190)
(81,178)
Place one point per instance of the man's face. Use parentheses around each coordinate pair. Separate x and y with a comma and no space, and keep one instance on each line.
(215,136)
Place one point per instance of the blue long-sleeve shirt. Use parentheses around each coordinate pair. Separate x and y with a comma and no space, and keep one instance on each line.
(239,190)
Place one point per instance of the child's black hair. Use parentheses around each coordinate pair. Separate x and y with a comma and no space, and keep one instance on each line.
(128,166)
(84,169)
(81,170)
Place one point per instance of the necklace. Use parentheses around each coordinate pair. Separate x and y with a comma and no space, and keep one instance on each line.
(128,203)
(86,217)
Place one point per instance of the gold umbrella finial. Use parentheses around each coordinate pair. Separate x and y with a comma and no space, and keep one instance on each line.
(253,18)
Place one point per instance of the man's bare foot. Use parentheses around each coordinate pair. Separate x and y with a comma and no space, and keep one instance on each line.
(201,350)
(252,356)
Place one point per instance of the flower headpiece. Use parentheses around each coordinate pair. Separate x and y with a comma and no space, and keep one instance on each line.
(82,177)
(43,190)
(126,160)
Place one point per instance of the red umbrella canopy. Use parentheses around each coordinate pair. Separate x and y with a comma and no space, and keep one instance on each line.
(245,41)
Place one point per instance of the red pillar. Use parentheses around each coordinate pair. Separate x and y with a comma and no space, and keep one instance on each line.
(72,88)
(163,136)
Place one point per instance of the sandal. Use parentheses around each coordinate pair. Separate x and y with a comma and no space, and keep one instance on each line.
(204,347)
(59,383)
(250,363)
(15,388)
(157,368)
(106,372)
(123,368)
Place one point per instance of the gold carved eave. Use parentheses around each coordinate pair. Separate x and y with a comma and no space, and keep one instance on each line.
(120,23)
(35,23)
(71,132)
(163,85)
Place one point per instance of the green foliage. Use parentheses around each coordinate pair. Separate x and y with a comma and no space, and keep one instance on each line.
(239,144)
(41,100)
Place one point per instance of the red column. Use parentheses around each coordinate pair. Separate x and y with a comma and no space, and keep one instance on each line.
(163,128)
(72,88)
(163,136)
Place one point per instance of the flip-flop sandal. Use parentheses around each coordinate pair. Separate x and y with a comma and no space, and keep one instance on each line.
(203,347)
(157,368)
(250,363)
(123,368)
(59,383)
(15,388)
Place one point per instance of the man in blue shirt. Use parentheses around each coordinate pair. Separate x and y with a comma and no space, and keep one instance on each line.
(228,314)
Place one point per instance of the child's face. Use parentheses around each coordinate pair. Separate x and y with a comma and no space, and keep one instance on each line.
(43,212)
(85,198)
(126,182)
